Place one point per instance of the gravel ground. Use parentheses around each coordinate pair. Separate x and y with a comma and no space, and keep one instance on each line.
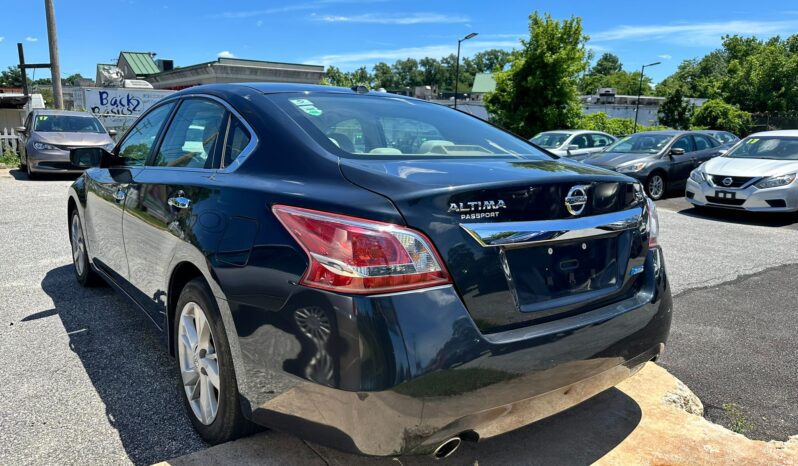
(87,380)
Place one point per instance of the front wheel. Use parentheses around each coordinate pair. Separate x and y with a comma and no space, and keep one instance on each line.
(85,275)
(656,186)
(207,379)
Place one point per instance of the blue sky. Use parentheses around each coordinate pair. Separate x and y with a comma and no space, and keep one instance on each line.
(350,33)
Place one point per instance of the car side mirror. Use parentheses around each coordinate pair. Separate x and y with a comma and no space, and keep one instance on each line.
(21,129)
(573,147)
(677,151)
(87,157)
(723,151)
(112,132)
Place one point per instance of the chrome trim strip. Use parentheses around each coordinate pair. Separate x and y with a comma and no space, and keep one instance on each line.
(550,231)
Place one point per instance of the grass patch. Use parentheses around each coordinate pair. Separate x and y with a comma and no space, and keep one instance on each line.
(9,159)
(452,382)
(736,418)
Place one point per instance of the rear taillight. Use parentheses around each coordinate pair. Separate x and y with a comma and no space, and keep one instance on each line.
(653,224)
(354,255)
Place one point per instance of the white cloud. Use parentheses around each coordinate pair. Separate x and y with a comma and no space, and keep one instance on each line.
(698,34)
(388,18)
(315,5)
(259,23)
(2,38)
(370,57)
(225,54)
(665,56)
(31,39)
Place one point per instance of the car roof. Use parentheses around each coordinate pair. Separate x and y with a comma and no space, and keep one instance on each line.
(276,88)
(573,131)
(781,132)
(40,111)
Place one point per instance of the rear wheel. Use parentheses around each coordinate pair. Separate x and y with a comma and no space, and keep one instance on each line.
(207,379)
(656,186)
(85,275)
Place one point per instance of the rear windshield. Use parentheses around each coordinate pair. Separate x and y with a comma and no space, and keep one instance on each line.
(388,127)
(766,147)
(550,140)
(67,124)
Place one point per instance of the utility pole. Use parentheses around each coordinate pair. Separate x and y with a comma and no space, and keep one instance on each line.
(55,66)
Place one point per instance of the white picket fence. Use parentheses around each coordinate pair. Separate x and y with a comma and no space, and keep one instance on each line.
(8,140)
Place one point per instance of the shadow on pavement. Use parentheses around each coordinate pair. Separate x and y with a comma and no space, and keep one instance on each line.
(128,365)
(20,175)
(765,219)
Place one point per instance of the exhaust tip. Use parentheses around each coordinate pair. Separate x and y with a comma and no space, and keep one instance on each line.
(447,448)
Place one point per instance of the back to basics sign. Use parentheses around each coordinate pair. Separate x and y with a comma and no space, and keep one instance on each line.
(118,107)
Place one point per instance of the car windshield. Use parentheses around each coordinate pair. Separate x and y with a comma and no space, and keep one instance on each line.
(640,143)
(550,140)
(766,147)
(67,124)
(393,127)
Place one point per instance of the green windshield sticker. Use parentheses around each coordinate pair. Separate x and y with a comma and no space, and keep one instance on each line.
(310,110)
(42,117)
(301,102)
(753,141)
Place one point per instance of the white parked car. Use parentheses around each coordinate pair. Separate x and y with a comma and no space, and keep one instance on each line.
(574,144)
(757,174)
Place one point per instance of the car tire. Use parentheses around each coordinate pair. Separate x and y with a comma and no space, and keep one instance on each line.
(31,174)
(656,186)
(197,361)
(84,273)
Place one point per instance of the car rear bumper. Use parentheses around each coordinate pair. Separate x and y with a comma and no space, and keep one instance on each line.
(781,199)
(405,372)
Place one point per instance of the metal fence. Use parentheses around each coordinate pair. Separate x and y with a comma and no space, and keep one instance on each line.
(769,121)
(9,141)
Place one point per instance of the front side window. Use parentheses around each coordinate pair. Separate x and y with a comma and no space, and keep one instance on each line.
(393,127)
(766,147)
(641,143)
(193,136)
(136,147)
(550,140)
(67,124)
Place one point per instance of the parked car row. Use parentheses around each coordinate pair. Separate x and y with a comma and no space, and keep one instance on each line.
(660,160)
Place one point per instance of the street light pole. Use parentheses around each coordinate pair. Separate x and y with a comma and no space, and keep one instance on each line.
(55,66)
(640,91)
(457,66)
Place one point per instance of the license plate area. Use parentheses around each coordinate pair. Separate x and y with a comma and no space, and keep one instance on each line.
(726,195)
(546,276)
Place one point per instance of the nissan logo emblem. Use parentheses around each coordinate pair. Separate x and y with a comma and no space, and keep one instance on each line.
(576,199)
(727,181)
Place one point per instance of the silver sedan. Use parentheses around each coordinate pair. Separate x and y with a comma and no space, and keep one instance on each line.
(48,136)
(575,144)
(757,174)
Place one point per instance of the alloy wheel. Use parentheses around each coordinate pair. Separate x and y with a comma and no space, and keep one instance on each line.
(656,186)
(199,366)
(78,245)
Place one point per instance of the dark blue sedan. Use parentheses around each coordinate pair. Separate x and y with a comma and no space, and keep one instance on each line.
(369,271)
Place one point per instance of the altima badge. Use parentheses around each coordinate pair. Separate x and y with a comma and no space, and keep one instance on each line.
(477,209)
(576,199)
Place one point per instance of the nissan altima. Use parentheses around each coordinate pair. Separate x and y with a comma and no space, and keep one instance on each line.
(372,272)
(757,174)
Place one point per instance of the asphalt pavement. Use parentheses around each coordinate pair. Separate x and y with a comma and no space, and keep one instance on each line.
(86,379)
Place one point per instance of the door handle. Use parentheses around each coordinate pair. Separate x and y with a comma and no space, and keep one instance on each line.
(180,202)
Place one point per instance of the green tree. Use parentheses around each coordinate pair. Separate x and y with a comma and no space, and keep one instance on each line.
(717,114)
(490,60)
(383,76)
(407,73)
(12,77)
(675,110)
(360,77)
(336,77)
(607,64)
(615,126)
(538,92)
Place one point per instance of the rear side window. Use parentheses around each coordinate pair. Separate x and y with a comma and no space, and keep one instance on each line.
(193,137)
(703,142)
(238,139)
(392,127)
(600,140)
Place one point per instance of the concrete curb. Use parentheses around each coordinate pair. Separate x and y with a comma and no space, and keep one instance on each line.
(650,419)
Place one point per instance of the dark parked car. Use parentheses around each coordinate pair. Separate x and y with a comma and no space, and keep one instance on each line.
(661,160)
(373,272)
(49,135)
